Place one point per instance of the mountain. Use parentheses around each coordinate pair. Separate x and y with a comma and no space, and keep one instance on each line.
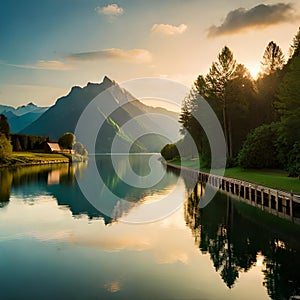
(116,111)
(22,116)
(21,110)
(18,123)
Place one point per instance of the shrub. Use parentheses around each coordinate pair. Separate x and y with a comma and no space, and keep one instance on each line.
(260,148)
(169,152)
(80,149)
(294,161)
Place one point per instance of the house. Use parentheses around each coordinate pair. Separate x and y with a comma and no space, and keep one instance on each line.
(52,148)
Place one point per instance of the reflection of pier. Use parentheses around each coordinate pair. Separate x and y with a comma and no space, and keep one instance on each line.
(280,203)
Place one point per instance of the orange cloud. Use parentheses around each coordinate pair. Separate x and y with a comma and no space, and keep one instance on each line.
(168,29)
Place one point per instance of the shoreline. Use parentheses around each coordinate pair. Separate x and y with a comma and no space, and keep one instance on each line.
(225,178)
(26,159)
(29,164)
(274,201)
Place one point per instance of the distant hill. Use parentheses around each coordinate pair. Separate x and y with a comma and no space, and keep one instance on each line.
(21,110)
(64,115)
(22,116)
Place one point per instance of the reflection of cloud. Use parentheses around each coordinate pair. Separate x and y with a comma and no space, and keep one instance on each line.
(168,29)
(113,286)
(110,10)
(58,225)
(172,257)
(133,55)
(112,244)
(51,65)
(262,15)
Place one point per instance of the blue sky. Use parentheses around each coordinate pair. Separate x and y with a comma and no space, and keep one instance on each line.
(49,46)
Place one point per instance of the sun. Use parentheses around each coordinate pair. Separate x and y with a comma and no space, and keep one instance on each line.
(254,70)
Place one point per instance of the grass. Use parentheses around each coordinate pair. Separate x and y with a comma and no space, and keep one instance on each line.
(31,158)
(271,178)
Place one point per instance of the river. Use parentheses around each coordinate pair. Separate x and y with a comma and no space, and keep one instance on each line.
(54,244)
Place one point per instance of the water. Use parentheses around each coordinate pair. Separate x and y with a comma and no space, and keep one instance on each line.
(55,245)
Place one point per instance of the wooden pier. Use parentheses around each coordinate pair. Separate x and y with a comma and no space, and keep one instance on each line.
(280,203)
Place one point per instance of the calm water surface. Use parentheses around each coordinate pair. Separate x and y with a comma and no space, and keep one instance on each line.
(55,245)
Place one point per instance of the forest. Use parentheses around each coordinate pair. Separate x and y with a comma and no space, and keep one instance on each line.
(260,117)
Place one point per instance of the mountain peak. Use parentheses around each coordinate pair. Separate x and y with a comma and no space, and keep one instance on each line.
(29,105)
(107,80)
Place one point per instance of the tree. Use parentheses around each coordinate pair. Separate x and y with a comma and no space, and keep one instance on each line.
(220,73)
(260,148)
(169,151)
(289,90)
(67,140)
(295,47)
(4,126)
(5,147)
(229,89)
(240,94)
(80,149)
(268,82)
(273,59)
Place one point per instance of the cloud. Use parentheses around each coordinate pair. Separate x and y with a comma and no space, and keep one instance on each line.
(262,15)
(133,55)
(168,29)
(51,65)
(111,10)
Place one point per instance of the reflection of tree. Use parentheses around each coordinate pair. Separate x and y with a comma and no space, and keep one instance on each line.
(234,234)
(282,277)
(5,185)
(221,249)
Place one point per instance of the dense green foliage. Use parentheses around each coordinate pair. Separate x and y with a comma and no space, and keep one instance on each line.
(259,150)
(169,152)
(24,142)
(230,91)
(80,149)
(260,118)
(5,147)
(4,126)
(67,140)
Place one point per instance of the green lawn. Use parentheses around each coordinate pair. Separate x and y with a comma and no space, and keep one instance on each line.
(21,158)
(271,178)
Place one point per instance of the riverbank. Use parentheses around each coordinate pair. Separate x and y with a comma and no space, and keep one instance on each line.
(20,159)
(277,179)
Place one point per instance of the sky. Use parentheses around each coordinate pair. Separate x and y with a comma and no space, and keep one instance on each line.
(48,46)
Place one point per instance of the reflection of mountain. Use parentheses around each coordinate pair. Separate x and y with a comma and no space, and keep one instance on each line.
(114,107)
(235,234)
(59,181)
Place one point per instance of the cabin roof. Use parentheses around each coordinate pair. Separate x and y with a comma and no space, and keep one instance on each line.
(54,146)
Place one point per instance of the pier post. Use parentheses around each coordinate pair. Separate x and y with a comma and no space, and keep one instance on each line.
(255,196)
(291,207)
(276,203)
(269,201)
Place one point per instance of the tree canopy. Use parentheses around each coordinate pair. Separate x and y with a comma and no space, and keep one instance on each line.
(260,118)
(5,147)
(4,126)
(67,140)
